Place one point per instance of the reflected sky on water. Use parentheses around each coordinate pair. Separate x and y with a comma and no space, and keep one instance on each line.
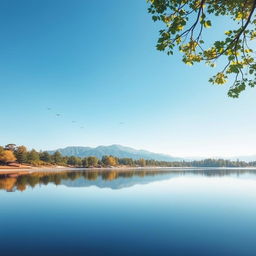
(136,212)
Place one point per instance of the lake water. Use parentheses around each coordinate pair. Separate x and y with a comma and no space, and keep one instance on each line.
(136,212)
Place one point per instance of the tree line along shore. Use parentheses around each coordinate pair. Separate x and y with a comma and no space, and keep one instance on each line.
(12,155)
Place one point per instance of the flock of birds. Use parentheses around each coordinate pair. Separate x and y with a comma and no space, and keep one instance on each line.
(59,115)
(73,121)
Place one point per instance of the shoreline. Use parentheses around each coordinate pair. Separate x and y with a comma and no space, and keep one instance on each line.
(26,170)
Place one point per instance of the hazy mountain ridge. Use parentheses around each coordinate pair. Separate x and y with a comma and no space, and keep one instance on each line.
(122,152)
(114,150)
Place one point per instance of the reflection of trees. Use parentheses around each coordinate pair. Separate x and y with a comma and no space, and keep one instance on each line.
(109,175)
(128,174)
(45,180)
(57,180)
(22,181)
(73,175)
(21,187)
(91,175)
(7,183)
(142,174)
(219,172)
(32,180)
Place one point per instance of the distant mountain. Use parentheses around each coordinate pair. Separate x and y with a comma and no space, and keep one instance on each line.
(114,150)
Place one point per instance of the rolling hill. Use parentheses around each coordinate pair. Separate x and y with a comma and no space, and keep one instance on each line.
(114,150)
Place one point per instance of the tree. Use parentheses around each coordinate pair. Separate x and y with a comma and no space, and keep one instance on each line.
(109,160)
(126,161)
(75,161)
(85,162)
(57,158)
(78,162)
(141,162)
(1,150)
(92,161)
(21,154)
(184,25)
(71,160)
(7,156)
(33,156)
(10,147)
(45,156)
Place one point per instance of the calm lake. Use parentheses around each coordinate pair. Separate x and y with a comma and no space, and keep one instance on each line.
(135,212)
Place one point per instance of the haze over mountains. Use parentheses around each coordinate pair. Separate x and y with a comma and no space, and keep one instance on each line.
(114,150)
(128,152)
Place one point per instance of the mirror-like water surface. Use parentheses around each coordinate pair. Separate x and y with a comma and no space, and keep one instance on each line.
(133,212)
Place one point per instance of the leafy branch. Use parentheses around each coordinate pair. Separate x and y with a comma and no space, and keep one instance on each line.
(185,21)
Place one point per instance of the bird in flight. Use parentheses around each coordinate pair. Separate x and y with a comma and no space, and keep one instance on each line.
(58,115)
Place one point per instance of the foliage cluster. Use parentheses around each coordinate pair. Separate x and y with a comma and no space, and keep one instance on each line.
(184,24)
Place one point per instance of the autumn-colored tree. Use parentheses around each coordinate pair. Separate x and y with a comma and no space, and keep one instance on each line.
(7,156)
(185,22)
(109,160)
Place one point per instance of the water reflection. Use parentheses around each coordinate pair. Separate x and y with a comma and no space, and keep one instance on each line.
(114,179)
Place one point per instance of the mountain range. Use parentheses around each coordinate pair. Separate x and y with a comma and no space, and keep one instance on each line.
(123,152)
(114,150)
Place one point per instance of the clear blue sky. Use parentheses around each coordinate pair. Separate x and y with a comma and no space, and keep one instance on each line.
(94,62)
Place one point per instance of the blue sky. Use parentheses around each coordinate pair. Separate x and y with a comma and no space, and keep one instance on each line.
(95,62)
